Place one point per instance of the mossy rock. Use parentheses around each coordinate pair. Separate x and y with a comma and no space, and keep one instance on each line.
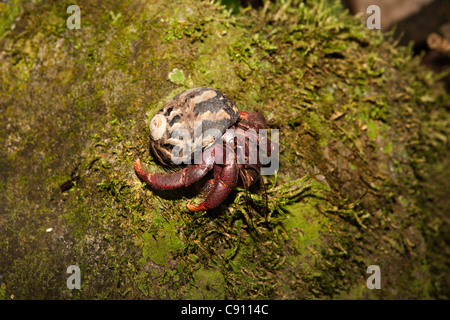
(363,155)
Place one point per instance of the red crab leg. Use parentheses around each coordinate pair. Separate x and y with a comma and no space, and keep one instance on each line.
(181,178)
(225,178)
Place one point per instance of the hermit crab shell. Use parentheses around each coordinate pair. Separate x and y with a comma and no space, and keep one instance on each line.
(187,118)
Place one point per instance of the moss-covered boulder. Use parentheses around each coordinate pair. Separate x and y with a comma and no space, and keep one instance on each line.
(363,155)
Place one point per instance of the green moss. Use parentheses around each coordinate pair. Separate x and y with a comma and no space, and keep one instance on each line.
(359,121)
(161,244)
(307,229)
(8,13)
(208,284)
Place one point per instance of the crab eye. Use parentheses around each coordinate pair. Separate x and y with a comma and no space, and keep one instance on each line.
(158,126)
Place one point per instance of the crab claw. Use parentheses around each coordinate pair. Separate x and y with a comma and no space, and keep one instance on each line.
(216,196)
(182,178)
(225,178)
(144,175)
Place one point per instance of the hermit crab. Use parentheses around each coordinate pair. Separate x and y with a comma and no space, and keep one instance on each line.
(203,129)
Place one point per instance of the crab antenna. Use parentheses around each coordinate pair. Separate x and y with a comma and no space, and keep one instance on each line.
(265,194)
(245,181)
